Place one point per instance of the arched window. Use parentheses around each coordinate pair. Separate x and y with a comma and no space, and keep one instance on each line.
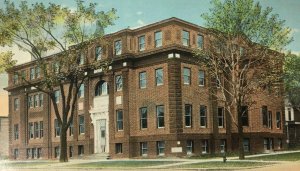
(101,88)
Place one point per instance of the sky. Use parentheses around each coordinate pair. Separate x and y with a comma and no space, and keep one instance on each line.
(137,13)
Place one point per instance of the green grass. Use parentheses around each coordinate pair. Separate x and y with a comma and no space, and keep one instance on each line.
(228,164)
(112,164)
(279,157)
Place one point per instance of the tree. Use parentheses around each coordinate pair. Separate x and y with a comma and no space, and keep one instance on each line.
(6,61)
(39,28)
(240,55)
(292,79)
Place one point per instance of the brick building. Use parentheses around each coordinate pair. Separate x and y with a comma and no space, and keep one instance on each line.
(154,100)
(4,137)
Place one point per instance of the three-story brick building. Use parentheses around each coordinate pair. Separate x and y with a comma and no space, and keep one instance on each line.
(154,100)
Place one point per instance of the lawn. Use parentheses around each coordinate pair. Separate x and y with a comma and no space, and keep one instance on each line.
(117,164)
(25,164)
(278,157)
(222,165)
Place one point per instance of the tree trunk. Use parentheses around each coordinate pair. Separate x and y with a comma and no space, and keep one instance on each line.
(240,134)
(63,146)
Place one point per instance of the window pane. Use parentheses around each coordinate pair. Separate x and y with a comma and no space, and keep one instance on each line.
(200,41)
(119,83)
(98,53)
(118,47)
(158,39)
(141,43)
(201,78)
(159,76)
(143,116)
(143,80)
(203,116)
(119,120)
(160,116)
(188,115)
(185,38)
(186,75)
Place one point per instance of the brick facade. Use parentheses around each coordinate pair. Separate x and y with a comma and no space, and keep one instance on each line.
(169,136)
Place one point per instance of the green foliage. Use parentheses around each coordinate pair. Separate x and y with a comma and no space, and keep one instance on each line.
(244,17)
(292,79)
(6,61)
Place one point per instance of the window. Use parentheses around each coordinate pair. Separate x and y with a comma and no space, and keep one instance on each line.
(223,145)
(32,73)
(188,115)
(158,39)
(270,119)
(143,116)
(119,148)
(187,76)
(71,151)
(23,75)
(80,150)
(189,147)
(118,47)
(16,131)
(218,81)
(200,41)
(278,120)
(220,117)
(37,72)
(41,129)
(30,102)
(160,148)
(56,96)
(144,148)
(16,153)
(141,43)
(39,153)
(268,143)
(246,143)
(57,128)
(35,100)
(34,153)
(71,128)
(143,79)
(159,76)
(279,143)
(36,130)
(81,124)
(15,78)
(160,116)
(185,38)
(289,114)
(264,111)
(57,152)
(244,116)
(98,53)
(31,130)
(81,59)
(203,116)
(16,104)
(119,120)
(55,67)
(28,153)
(101,88)
(81,91)
(204,146)
(41,99)
(201,78)
(119,83)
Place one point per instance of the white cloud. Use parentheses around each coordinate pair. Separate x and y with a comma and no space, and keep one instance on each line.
(295,30)
(140,22)
(139,13)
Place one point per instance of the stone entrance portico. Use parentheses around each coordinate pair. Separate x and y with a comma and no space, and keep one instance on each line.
(100,120)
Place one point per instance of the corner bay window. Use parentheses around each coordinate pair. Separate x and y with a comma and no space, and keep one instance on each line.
(160,116)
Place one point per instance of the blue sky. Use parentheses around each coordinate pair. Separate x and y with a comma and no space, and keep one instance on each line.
(136,13)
